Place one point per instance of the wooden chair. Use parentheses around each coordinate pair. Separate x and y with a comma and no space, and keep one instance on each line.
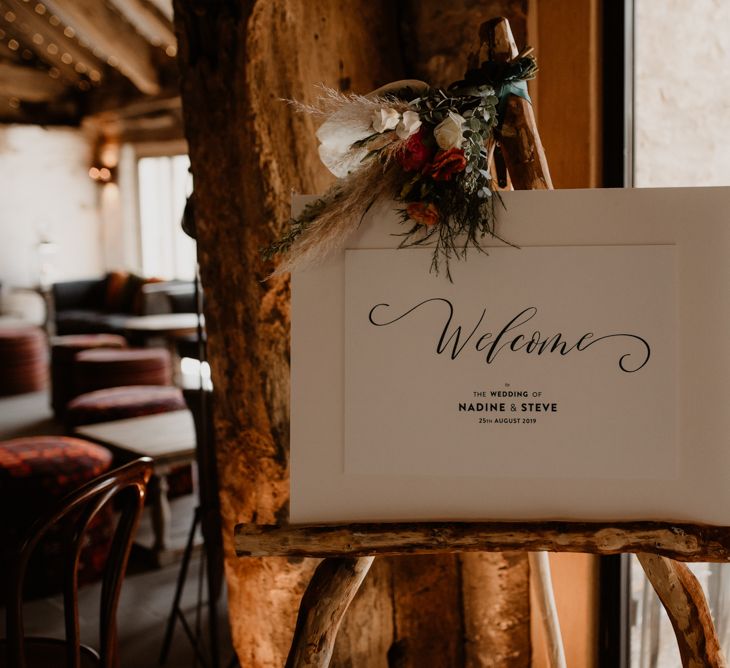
(129,483)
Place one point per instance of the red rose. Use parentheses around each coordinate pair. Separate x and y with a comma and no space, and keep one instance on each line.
(446,164)
(423,214)
(415,154)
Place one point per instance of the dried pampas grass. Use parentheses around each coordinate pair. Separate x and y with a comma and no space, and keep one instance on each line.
(361,158)
(347,105)
(324,226)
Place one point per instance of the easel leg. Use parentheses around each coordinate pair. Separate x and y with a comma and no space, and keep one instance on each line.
(685,603)
(328,595)
(542,586)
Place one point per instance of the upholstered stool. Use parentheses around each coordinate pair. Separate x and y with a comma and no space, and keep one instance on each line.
(63,352)
(99,369)
(23,360)
(35,472)
(117,403)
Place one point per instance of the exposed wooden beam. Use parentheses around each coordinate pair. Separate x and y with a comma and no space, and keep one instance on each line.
(148,22)
(56,112)
(151,118)
(50,43)
(123,47)
(6,53)
(174,133)
(28,84)
(121,98)
(164,7)
(150,105)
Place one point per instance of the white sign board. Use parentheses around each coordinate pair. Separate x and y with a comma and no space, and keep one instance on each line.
(515,376)
(584,375)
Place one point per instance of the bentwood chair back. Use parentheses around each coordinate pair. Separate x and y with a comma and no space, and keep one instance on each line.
(75,512)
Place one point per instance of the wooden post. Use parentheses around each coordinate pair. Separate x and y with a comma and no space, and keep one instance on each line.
(248,150)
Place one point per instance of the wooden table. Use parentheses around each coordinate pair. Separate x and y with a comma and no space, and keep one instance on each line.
(167,326)
(169,439)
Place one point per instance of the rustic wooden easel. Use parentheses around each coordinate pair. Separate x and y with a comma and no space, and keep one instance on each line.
(349,550)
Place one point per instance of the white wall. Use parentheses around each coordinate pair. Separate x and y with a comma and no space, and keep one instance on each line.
(45,189)
(682,98)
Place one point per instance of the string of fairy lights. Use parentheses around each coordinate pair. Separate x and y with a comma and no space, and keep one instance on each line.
(46,51)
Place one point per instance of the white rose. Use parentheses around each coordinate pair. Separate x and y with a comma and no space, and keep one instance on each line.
(410,124)
(384,119)
(449,132)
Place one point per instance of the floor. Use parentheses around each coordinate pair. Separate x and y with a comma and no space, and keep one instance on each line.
(147,593)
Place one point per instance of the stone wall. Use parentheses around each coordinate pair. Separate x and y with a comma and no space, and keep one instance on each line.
(682,98)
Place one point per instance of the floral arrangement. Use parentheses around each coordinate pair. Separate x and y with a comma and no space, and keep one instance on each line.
(426,148)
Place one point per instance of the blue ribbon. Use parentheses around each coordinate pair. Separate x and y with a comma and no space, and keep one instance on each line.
(518,88)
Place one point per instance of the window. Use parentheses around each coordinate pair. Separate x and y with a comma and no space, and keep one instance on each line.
(164,184)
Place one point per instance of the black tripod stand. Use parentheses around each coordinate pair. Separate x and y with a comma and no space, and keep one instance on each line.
(211,573)
(207,513)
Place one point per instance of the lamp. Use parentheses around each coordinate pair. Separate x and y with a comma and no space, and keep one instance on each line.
(46,249)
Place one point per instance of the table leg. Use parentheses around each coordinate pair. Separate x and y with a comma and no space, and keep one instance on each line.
(176,361)
(160,514)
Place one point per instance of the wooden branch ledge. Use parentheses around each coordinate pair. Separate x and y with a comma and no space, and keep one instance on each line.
(682,542)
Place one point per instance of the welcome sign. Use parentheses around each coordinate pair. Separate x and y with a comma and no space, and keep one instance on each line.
(514,375)
(582,375)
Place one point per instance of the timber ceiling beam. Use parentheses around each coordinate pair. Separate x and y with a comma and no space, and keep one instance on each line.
(149,22)
(105,32)
(6,53)
(164,7)
(43,33)
(55,112)
(28,84)
(150,105)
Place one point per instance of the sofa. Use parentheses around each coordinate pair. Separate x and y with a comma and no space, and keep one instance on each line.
(100,305)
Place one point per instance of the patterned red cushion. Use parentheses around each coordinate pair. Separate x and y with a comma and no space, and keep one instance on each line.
(63,351)
(56,463)
(65,348)
(35,473)
(102,368)
(117,403)
(23,360)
